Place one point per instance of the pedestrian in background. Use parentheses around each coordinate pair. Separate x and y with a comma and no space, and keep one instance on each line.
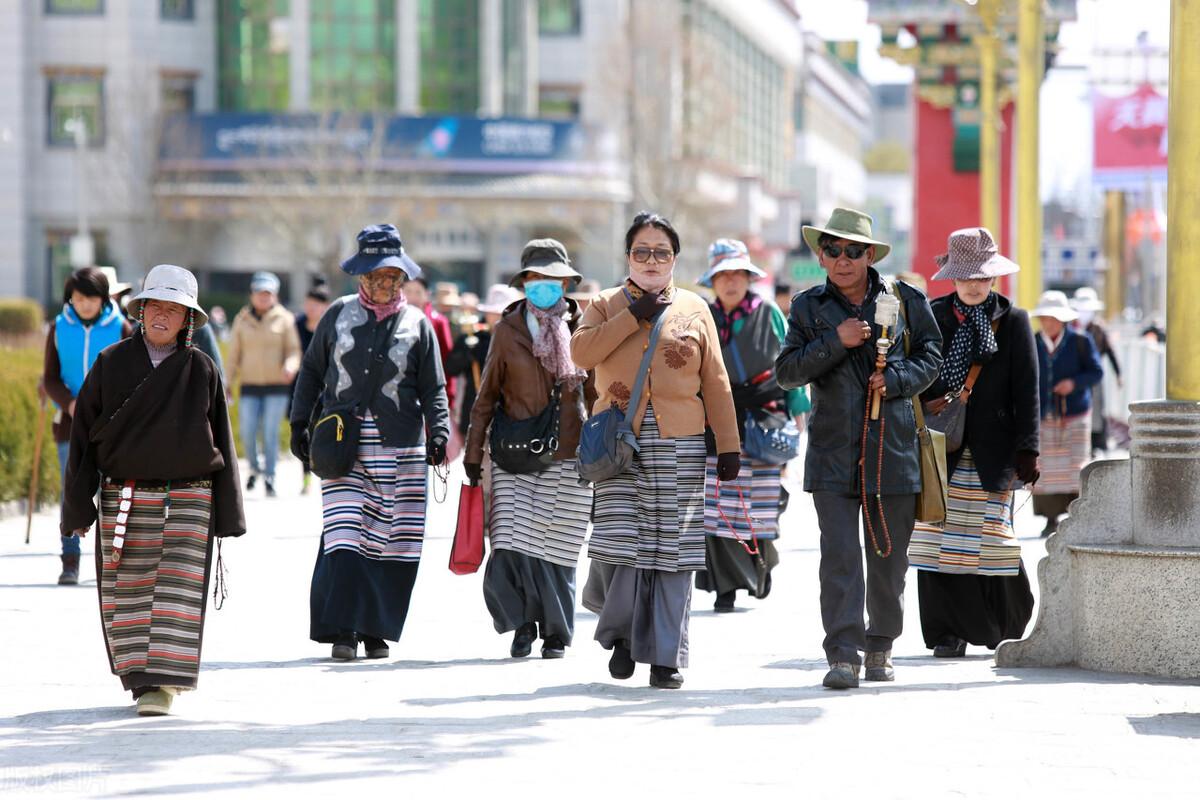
(831,346)
(264,355)
(416,291)
(584,293)
(1088,305)
(648,531)
(971,582)
(152,434)
(744,513)
(373,518)
(471,349)
(316,302)
(538,519)
(1068,368)
(89,322)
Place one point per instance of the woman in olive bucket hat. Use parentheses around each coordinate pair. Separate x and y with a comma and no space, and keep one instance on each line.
(374,516)
(970,578)
(751,330)
(152,434)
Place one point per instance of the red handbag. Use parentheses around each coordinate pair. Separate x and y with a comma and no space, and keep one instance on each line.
(466,554)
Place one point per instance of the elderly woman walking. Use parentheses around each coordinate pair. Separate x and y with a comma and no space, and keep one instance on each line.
(1068,367)
(741,518)
(151,432)
(971,582)
(374,366)
(648,534)
(531,397)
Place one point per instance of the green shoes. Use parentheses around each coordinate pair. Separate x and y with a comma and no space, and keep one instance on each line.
(156,703)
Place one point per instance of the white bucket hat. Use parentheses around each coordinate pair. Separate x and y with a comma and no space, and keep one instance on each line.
(1055,304)
(1086,299)
(727,255)
(172,284)
(499,297)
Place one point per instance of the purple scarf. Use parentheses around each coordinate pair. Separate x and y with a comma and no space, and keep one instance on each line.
(381,311)
(725,322)
(552,345)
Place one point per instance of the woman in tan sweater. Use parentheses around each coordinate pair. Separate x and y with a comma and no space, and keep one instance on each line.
(648,534)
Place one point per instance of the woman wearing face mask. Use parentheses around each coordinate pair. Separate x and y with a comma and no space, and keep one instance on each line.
(970,578)
(752,331)
(538,520)
(648,528)
(88,323)
(376,353)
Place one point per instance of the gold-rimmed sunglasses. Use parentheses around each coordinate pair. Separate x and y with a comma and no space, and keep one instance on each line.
(643,255)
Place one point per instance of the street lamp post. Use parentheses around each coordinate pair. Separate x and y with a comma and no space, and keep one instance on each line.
(83,251)
(1030,66)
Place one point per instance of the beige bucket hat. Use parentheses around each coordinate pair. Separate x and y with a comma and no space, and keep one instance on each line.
(846,223)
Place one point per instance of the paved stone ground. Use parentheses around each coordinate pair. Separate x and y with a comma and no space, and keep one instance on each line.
(450,712)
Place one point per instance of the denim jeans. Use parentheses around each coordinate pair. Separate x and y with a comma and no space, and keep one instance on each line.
(261,413)
(70,544)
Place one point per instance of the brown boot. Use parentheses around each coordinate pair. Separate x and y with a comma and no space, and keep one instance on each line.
(70,571)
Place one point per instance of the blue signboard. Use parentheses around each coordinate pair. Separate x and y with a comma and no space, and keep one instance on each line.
(262,140)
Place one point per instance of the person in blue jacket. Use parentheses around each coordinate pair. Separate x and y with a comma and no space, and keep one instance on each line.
(1068,367)
(89,322)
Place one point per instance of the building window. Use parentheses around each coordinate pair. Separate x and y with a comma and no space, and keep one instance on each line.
(558,17)
(558,102)
(70,97)
(513,49)
(449,36)
(253,51)
(74,6)
(176,9)
(58,260)
(353,47)
(177,93)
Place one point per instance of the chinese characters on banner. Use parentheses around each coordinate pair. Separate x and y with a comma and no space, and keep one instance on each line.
(1130,135)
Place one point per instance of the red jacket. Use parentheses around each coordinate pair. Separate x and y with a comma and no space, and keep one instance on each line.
(445,340)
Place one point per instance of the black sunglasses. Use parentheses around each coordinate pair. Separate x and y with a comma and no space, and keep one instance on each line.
(852,251)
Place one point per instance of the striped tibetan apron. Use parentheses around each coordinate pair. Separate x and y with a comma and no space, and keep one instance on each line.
(759,483)
(152,563)
(541,514)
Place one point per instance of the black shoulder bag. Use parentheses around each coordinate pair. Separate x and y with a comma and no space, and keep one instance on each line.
(527,445)
(333,432)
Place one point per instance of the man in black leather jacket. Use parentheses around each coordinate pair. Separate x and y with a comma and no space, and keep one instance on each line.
(830,347)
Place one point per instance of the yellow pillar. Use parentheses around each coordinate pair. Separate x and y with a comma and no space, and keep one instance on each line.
(1030,66)
(1183,203)
(1114,253)
(988,42)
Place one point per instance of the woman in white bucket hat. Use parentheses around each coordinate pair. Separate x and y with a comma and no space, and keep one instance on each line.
(1088,304)
(1068,368)
(152,434)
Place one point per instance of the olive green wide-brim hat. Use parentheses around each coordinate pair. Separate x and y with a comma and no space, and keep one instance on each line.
(846,223)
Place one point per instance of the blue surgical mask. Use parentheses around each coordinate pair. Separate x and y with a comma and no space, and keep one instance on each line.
(544,294)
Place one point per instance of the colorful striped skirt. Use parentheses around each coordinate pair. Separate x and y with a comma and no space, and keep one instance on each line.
(152,599)
(541,514)
(378,510)
(977,538)
(1066,448)
(652,517)
(759,485)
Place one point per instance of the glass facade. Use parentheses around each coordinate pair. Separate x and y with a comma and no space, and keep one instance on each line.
(449,43)
(176,9)
(74,6)
(253,53)
(558,17)
(353,55)
(513,46)
(177,93)
(70,96)
(736,100)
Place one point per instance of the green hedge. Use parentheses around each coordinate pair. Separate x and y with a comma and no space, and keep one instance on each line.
(20,316)
(19,399)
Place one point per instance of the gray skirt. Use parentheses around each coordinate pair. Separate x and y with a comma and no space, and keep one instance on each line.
(644,608)
(519,589)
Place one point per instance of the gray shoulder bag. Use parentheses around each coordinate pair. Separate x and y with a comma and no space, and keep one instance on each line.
(607,443)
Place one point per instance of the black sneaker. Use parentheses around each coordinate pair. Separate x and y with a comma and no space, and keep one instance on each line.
(345,649)
(522,643)
(553,647)
(1051,527)
(375,648)
(725,601)
(665,678)
(253,479)
(621,665)
(269,485)
(950,647)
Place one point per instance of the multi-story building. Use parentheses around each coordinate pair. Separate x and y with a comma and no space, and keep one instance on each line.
(234,135)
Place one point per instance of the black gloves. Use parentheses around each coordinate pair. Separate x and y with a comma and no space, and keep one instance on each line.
(435,450)
(299,443)
(728,466)
(474,472)
(648,305)
(1027,466)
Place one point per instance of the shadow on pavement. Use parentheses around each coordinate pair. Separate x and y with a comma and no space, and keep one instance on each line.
(1180,725)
